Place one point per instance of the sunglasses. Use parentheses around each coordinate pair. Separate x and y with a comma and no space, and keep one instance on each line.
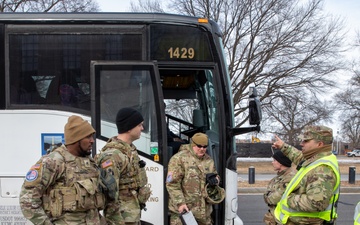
(199,146)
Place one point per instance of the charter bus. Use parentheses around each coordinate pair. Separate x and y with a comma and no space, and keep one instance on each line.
(53,65)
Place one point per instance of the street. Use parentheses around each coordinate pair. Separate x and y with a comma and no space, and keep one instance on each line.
(251,208)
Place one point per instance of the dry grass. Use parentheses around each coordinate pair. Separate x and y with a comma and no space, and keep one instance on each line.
(266,168)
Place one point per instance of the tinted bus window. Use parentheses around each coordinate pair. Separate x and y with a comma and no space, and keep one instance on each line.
(54,68)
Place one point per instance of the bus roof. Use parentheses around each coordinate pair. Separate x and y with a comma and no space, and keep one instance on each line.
(102,17)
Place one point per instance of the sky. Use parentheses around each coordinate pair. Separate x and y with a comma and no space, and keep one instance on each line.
(347,9)
(114,6)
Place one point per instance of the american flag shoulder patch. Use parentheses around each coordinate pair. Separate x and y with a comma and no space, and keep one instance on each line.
(35,167)
(106,164)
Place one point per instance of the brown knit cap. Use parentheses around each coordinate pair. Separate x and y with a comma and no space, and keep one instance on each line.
(76,129)
(199,139)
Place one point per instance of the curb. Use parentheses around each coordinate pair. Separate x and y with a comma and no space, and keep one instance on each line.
(261,190)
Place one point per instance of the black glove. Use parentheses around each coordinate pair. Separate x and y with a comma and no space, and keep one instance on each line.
(142,163)
(143,206)
(211,179)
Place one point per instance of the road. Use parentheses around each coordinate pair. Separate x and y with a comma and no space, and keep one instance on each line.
(251,208)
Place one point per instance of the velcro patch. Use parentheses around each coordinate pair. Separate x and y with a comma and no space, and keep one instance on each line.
(106,164)
(35,167)
(169,177)
(31,175)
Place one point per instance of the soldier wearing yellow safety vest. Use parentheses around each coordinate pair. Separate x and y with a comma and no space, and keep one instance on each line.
(311,196)
(357,214)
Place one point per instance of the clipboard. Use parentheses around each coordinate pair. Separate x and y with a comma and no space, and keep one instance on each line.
(188,218)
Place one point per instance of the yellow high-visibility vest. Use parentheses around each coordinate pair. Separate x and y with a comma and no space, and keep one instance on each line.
(283,211)
(357,214)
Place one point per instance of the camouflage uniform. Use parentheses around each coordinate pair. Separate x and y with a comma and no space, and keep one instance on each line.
(316,188)
(62,189)
(186,182)
(274,191)
(122,160)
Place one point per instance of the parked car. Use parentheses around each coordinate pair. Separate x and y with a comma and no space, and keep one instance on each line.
(353,153)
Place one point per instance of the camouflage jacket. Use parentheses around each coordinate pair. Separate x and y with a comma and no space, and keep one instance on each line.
(122,160)
(274,191)
(50,193)
(276,187)
(314,191)
(186,181)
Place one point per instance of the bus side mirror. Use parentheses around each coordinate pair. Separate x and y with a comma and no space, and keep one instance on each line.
(255,114)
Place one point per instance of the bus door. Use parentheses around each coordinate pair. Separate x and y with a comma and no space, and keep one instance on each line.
(115,85)
(191,95)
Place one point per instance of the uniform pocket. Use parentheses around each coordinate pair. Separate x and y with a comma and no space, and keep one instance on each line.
(85,191)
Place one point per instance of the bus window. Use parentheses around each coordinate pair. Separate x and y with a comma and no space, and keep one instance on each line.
(24,91)
(192,100)
(128,86)
(49,66)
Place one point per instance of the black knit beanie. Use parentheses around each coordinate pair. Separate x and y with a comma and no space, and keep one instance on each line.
(282,159)
(127,119)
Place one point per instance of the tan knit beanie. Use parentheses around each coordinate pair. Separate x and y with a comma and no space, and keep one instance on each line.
(199,139)
(76,129)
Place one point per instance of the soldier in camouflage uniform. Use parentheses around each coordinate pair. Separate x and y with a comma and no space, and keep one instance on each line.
(120,158)
(62,187)
(311,196)
(191,171)
(357,214)
(277,185)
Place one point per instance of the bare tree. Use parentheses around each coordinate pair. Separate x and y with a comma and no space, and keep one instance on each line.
(147,6)
(48,6)
(291,112)
(349,104)
(276,45)
(350,129)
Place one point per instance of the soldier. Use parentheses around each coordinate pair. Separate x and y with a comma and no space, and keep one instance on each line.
(62,187)
(277,185)
(120,157)
(192,182)
(311,196)
(357,214)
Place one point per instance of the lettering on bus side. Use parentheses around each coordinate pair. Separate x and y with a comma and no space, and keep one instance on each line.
(11,214)
(152,169)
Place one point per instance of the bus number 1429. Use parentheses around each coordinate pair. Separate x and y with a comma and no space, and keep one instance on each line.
(183,53)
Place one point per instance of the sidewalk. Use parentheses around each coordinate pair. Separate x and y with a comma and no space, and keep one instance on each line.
(345,188)
(267,177)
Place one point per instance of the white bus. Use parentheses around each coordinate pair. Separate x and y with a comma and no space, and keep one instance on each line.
(54,65)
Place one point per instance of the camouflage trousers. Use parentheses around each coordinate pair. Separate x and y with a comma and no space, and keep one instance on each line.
(175,220)
(91,217)
(124,211)
(269,219)
(129,207)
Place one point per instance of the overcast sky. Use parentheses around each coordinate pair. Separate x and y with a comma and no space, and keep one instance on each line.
(114,6)
(347,9)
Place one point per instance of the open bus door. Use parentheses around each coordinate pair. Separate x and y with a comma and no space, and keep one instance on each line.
(115,85)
